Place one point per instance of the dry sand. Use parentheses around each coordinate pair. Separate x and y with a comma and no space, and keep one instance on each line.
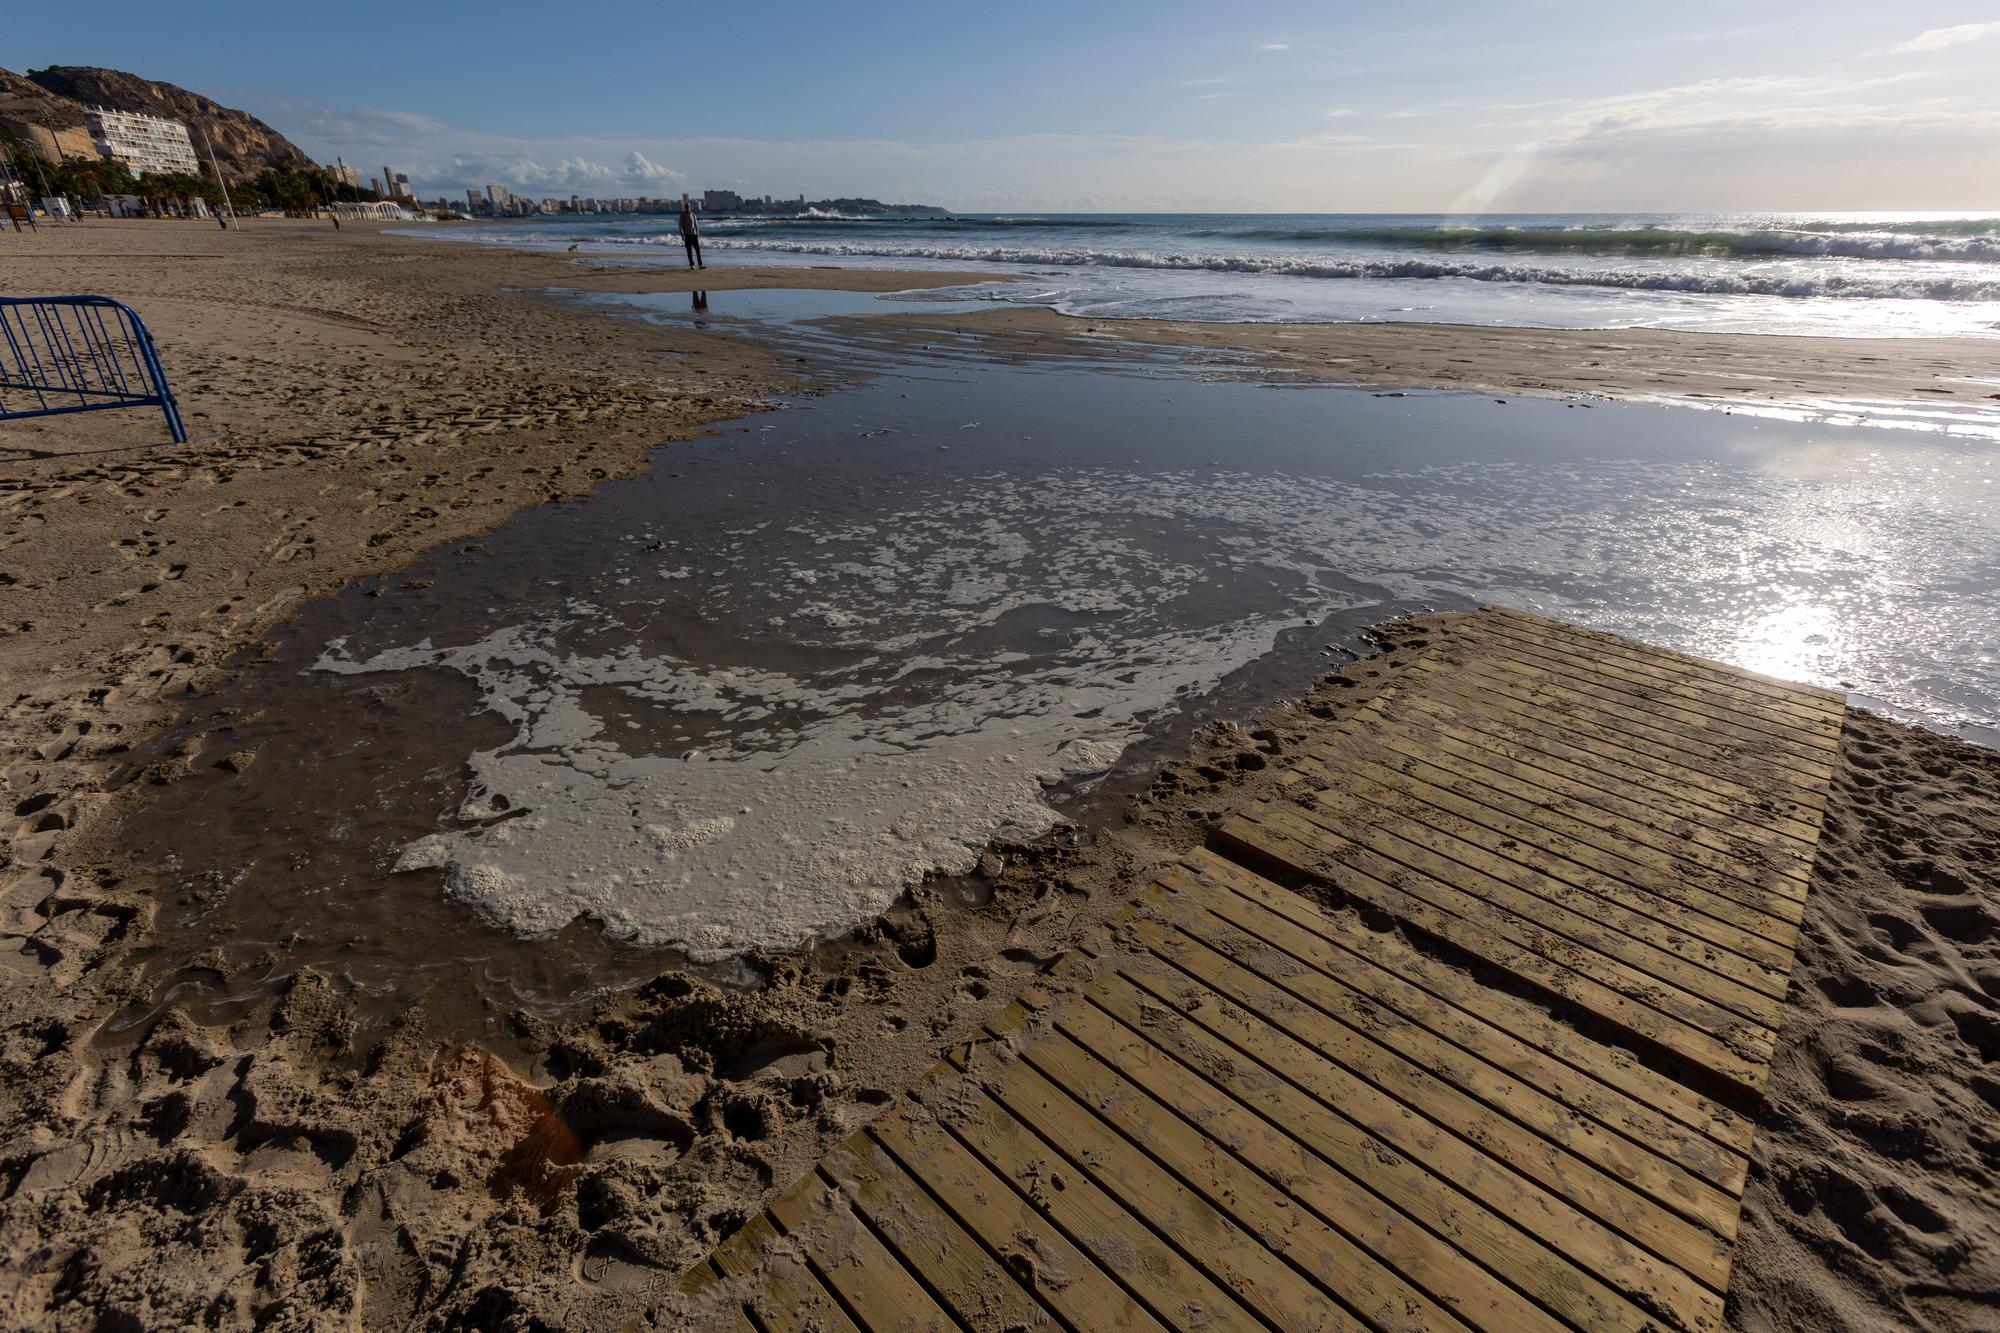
(371,397)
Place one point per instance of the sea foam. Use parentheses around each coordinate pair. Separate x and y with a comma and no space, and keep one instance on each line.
(1745,281)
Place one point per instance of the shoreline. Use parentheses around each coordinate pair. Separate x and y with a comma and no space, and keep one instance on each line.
(416,393)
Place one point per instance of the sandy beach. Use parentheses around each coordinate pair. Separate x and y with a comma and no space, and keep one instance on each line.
(360,399)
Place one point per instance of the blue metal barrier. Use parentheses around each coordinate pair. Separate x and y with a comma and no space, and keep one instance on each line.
(79,354)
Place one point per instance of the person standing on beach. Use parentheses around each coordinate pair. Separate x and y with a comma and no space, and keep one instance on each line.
(690,234)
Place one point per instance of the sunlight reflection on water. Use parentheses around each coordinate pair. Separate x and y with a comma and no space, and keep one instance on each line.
(1793,642)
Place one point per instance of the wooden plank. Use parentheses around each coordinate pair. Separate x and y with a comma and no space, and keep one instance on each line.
(1585,844)
(1530,1153)
(1714,725)
(1395,846)
(1536,1241)
(1404,754)
(1587,637)
(1745,1069)
(1043,1133)
(1603,641)
(1394,1244)
(1298,961)
(1797,711)
(1452,1000)
(711,1301)
(1551,748)
(1799,745)
(1352,957)
(1598,955)
(1718,923)
(1743,743)
(1490,1242)
(1504,838)
(1663,824)
(877,1291)
(1704,751)
(1323,842)
(1684,770)
(786,1297)
(1697,682)
(1413,783)
(926,1239)
(1053,1130)
(1404,782)
(1320,1258)
(1037,1254)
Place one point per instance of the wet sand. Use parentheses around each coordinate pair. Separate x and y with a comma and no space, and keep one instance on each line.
(373,397)
(1876,378)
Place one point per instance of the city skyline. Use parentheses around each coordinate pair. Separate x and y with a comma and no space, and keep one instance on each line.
(1296,107)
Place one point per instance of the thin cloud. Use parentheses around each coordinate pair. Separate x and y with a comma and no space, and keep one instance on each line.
(1275,46)
(1342,112)
(1939,39)
(1751,99)
(367,127)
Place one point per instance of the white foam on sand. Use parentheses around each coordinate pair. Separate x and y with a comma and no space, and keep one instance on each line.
(737,849)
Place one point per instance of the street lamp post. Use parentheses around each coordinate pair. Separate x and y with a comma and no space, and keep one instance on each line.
(220,184)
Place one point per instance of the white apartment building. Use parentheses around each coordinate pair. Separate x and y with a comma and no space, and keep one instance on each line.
(146,144)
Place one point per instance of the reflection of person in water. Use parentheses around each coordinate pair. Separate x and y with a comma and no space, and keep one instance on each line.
(690,234)
(701,303)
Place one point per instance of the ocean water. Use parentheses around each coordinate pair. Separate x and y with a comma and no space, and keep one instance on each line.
(1851,275)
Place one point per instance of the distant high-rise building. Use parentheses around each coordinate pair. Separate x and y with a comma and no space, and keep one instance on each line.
(497,195)
(473,199)
(720,201)
(403,190)
(346,175)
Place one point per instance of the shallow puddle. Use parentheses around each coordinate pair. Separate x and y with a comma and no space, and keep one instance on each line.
(747,699)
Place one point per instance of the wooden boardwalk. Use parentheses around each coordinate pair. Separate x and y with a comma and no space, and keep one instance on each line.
(1462,1029)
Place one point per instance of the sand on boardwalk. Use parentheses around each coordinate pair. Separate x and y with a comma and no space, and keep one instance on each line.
(370,397)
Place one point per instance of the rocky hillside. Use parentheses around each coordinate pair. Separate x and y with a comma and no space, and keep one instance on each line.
(28,102)
(244,145)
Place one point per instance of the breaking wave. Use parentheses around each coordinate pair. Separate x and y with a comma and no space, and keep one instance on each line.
(1974,242)
(1971,240)
(1786,283)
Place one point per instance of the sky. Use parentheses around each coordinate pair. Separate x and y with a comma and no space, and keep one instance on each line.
(1499,106)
